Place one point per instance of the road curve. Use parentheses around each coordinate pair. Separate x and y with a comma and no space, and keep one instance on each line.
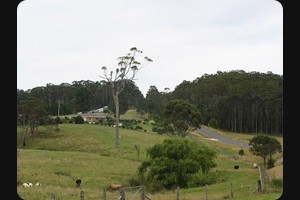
(215,135)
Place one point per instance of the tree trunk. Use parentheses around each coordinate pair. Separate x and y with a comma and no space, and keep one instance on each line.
(116,100)
(24,137)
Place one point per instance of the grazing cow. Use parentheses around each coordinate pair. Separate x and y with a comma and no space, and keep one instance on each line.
(114,187)
(78,182)
(27,184)
(255,165)
(236,167)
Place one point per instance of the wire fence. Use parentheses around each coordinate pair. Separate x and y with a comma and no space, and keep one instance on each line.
(128,193)
(269,179)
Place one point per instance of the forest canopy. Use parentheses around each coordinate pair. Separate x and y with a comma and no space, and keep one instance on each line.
(237,101)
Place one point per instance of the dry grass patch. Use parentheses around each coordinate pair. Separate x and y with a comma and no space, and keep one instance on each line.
(276,172)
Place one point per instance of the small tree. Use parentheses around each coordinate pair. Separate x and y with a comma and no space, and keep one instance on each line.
(32,113)
(127,69)
(181,115)
(175,162)
(263,146)
(79,119)
(241,152)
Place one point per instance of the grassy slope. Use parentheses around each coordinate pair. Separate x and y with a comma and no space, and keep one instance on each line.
(88,151)
(132,114)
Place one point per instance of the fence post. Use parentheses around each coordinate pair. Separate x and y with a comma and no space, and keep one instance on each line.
(178,191)
(259,169)
(231,189)
(81,195)
(142,192)
(104,194)
(122,193)
(206,197)
(53,196)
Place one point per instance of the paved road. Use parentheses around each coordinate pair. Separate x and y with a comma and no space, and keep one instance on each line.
(215,135)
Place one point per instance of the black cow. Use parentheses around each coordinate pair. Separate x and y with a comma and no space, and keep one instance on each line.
(236,167)
(78,182)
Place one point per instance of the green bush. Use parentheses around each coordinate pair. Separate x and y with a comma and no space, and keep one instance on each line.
(152,122)
(277,183)
(214,123)
(138,128)
(133,121)
(241,152)
(79,119)
(58,120)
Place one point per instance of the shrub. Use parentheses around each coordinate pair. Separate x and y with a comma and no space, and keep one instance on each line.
(58,120)
(152,122)
(214,123)
(133,121)
(79,119)
(138,128)
(277,183)
(241,152)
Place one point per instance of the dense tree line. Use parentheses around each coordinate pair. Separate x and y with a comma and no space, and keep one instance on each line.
(237,101)
(80,96)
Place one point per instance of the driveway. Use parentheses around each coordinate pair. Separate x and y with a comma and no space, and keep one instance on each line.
(216,136)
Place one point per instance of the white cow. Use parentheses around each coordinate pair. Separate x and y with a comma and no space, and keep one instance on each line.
(27,184)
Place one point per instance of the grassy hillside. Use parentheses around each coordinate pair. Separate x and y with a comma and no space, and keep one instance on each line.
(88,151)
(132,114)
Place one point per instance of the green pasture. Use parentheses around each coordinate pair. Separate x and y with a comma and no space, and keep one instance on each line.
(88,151)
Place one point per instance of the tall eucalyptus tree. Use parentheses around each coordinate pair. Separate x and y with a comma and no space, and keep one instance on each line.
(127,69)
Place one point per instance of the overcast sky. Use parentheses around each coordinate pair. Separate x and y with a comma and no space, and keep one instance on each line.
(61,41)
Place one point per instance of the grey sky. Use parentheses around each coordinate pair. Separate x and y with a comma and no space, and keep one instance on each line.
(70,40)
